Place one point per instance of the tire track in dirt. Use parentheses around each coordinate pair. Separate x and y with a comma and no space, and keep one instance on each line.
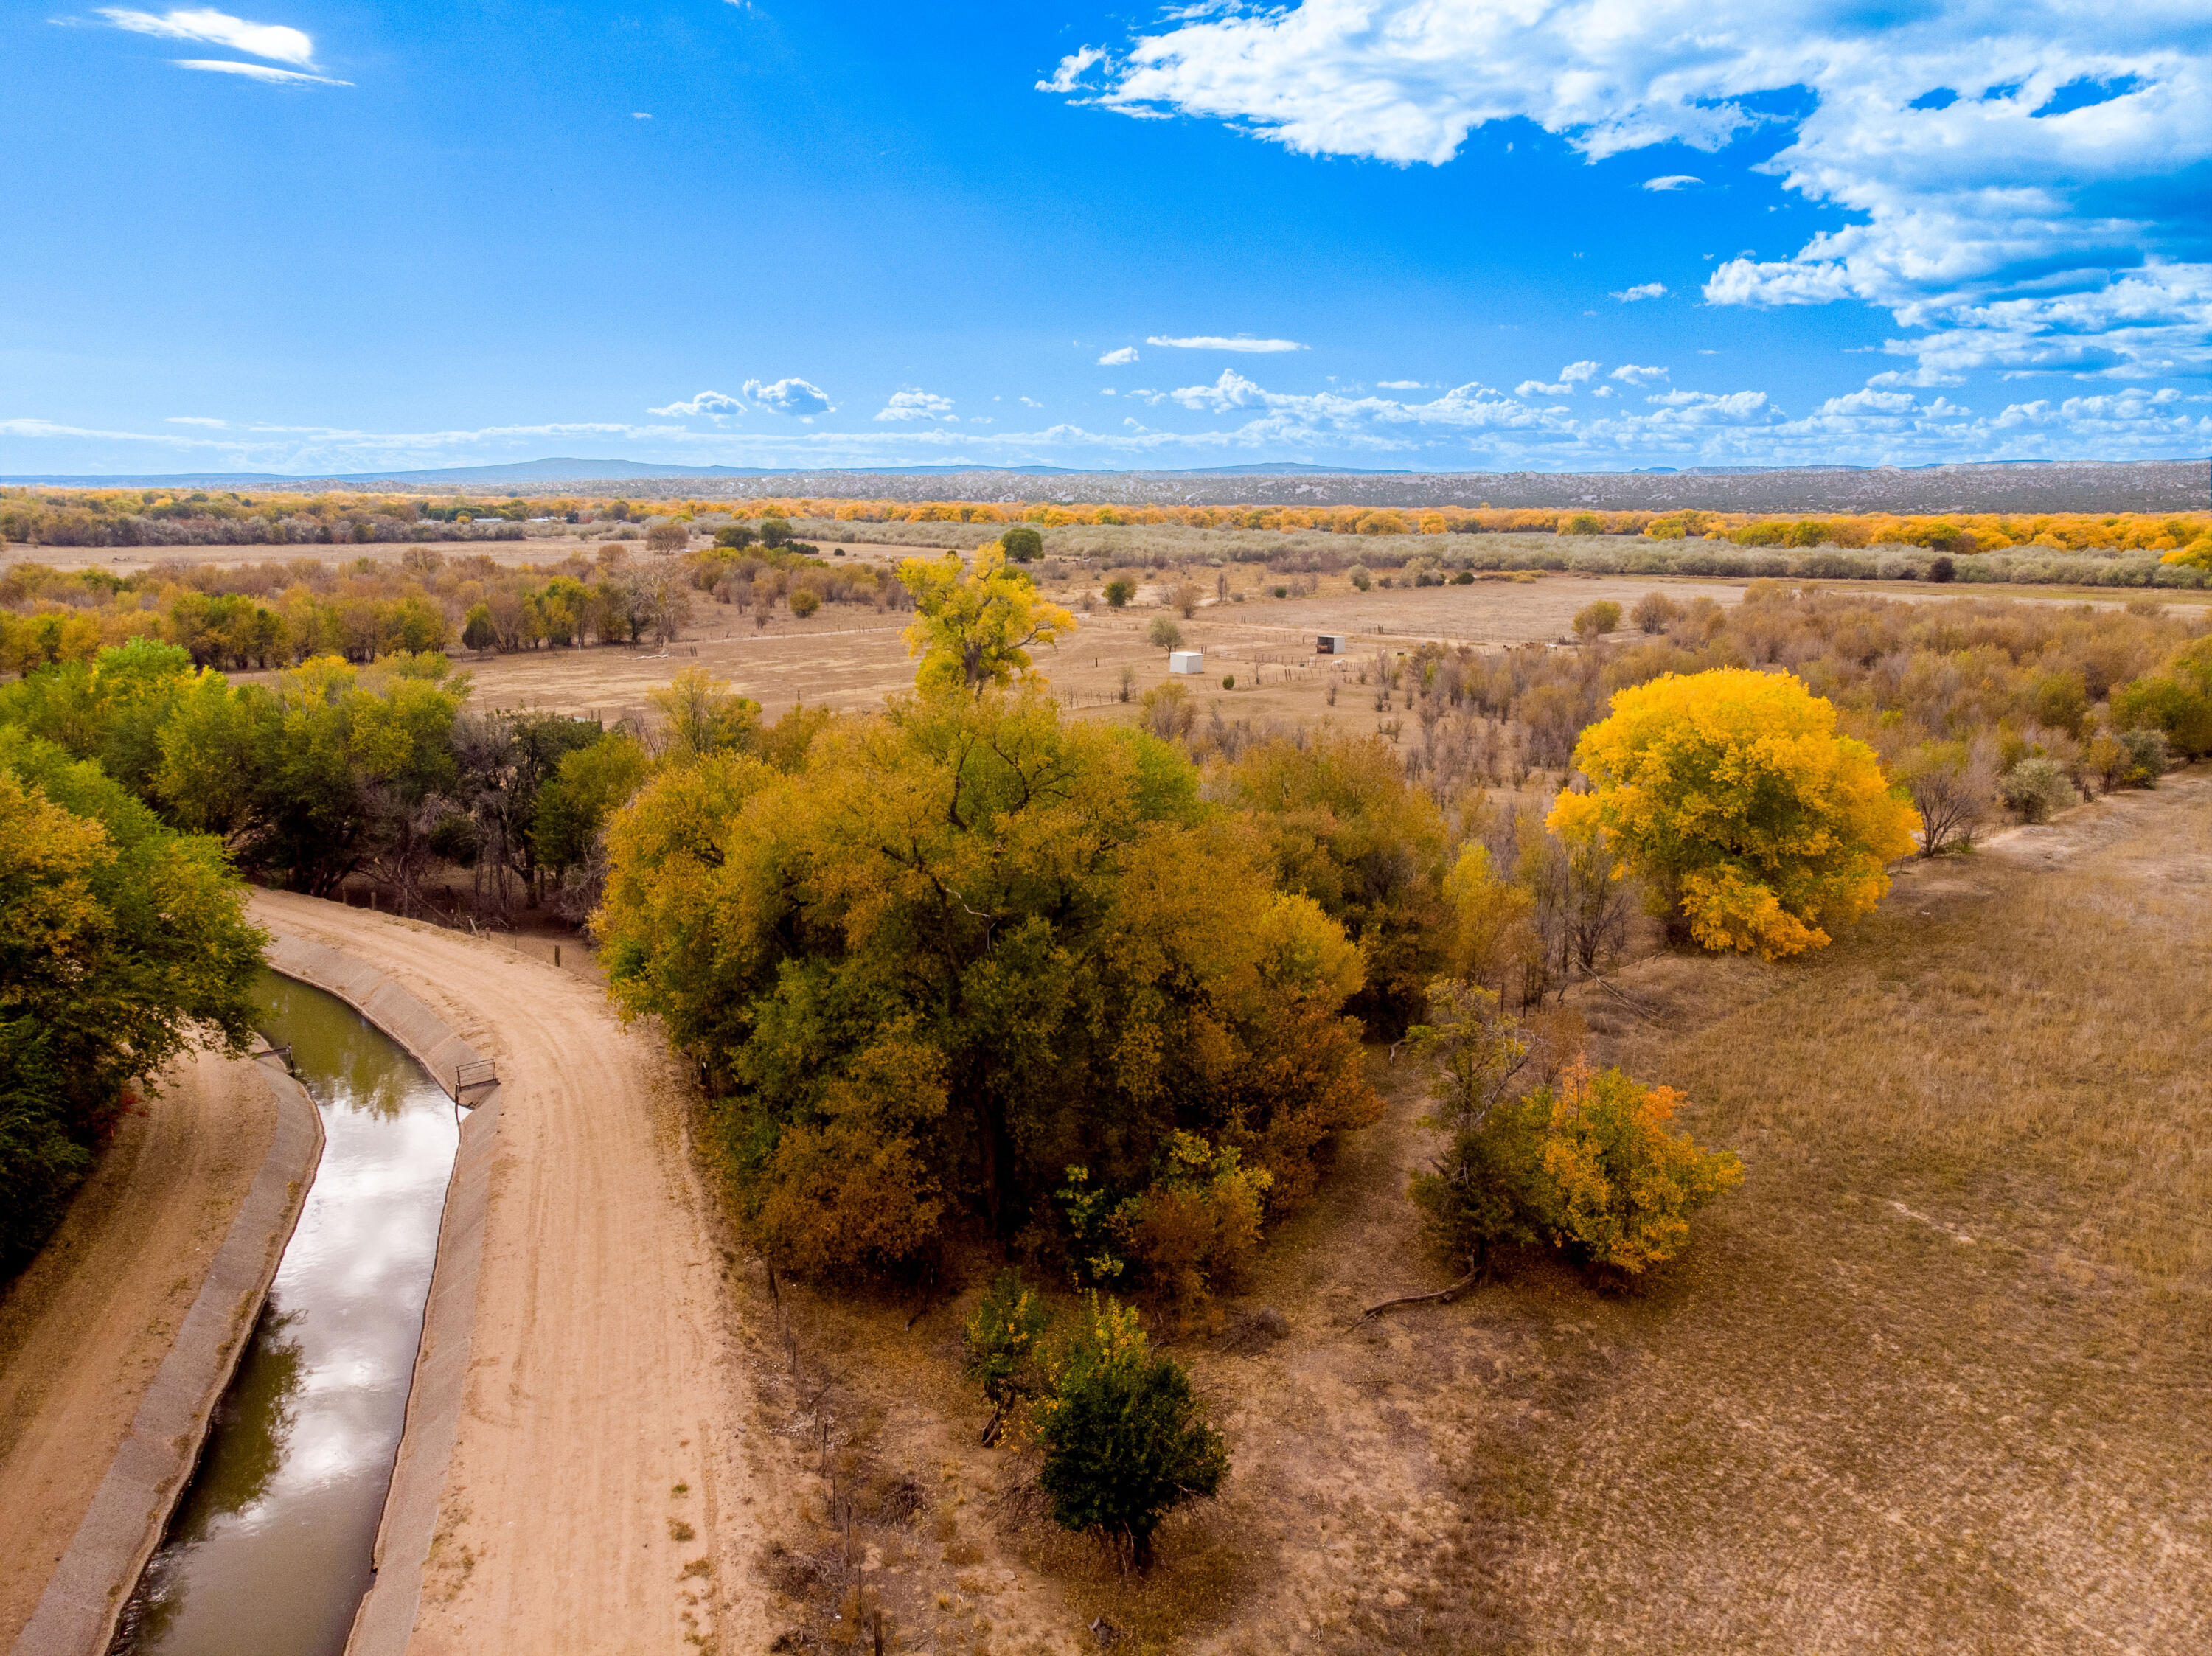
(601,1376)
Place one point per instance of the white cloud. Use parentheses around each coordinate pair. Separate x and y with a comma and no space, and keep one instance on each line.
(1578,371)
(1538,388)
(196,420)
(1070,72)
(1401,385)
(714,403)
(1031,402)
(640,115)
(271,40)
(2001,226)
(1642,290)
(1635,375)
(1116,359)
(1470,428)
(917,405)
(793,397)
(1672,181)
(1602,390)
(1207,341)
(256,72)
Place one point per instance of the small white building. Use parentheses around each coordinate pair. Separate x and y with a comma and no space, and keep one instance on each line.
(1332,644)
(1186,661)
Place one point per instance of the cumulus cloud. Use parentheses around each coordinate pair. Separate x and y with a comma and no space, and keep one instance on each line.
(267,72)
(1116,359)
(1642,290)
(1206,342)
(1469,428)
(2037,214)
(793,397)
(271,40)
(713,404)
(1672,181)
(1538,388)
(917,405)
(1578,371)
(1634,373)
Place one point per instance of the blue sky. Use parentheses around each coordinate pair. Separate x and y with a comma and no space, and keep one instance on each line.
(307,236)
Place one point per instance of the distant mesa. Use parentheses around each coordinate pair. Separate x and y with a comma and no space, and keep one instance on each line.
(2042,486)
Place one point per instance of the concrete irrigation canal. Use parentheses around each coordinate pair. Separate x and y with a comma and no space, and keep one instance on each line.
(269,1551)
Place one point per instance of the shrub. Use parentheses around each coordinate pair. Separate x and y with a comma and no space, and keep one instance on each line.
(1609,1182)
(803,602)
(2036,787)
(1229,681)
(735,536)
(1000,1342)
(1655,612)
(1953,785)
(1358,577)
(1942,570)
(2149,756)
(1596,620)
(1119,591)
(1464,577)
(1164,633)
(1585,1162)
(1125,1439)
(666,536)
(1022,543)
(1192,1230)
(774,532)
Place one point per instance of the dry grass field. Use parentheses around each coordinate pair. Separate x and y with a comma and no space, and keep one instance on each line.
(1937,1378)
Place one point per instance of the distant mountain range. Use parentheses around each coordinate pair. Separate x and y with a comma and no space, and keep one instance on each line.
(2042,486)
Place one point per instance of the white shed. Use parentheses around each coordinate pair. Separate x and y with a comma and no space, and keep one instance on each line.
(1332,644)
(1186,661)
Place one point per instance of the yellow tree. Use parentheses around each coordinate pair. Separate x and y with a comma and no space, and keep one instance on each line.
(975,626)
(1750,819)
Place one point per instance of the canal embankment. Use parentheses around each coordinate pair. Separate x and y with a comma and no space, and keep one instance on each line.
(120,1339)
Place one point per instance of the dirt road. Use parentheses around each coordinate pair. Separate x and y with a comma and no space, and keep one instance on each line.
(597,1494)
(84,1331)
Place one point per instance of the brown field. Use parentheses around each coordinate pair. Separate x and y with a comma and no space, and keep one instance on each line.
(1936,1380)
(850,656)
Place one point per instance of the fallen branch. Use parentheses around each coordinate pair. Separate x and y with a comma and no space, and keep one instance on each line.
(1640,1009)
(1442,1293)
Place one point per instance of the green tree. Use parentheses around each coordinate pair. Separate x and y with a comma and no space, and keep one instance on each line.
(1343,826)
(122,943)
(1022,545)
(1164,633)
(1125,1438)
(1119,591)
(588,785)
(701,715)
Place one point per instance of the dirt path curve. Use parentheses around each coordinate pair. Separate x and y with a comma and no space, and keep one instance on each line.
(85,1329)
(597,1498)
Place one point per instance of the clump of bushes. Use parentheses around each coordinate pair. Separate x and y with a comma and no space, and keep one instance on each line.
(1583,1161)
(2038,788)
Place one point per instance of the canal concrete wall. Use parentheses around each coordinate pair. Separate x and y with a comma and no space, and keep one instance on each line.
(386,1620)
(77,1615)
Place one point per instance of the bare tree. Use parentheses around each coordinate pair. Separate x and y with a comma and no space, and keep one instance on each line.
(1953,787)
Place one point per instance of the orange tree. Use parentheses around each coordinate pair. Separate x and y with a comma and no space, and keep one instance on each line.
(1752,823)
(944,954)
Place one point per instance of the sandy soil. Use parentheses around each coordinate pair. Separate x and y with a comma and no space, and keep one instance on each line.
(83,1331)
(600,1493)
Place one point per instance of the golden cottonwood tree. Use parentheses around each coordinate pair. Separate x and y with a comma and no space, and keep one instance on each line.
(1748,817)
(975,626)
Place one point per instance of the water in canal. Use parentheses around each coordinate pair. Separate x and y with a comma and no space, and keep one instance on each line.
(269,1552)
